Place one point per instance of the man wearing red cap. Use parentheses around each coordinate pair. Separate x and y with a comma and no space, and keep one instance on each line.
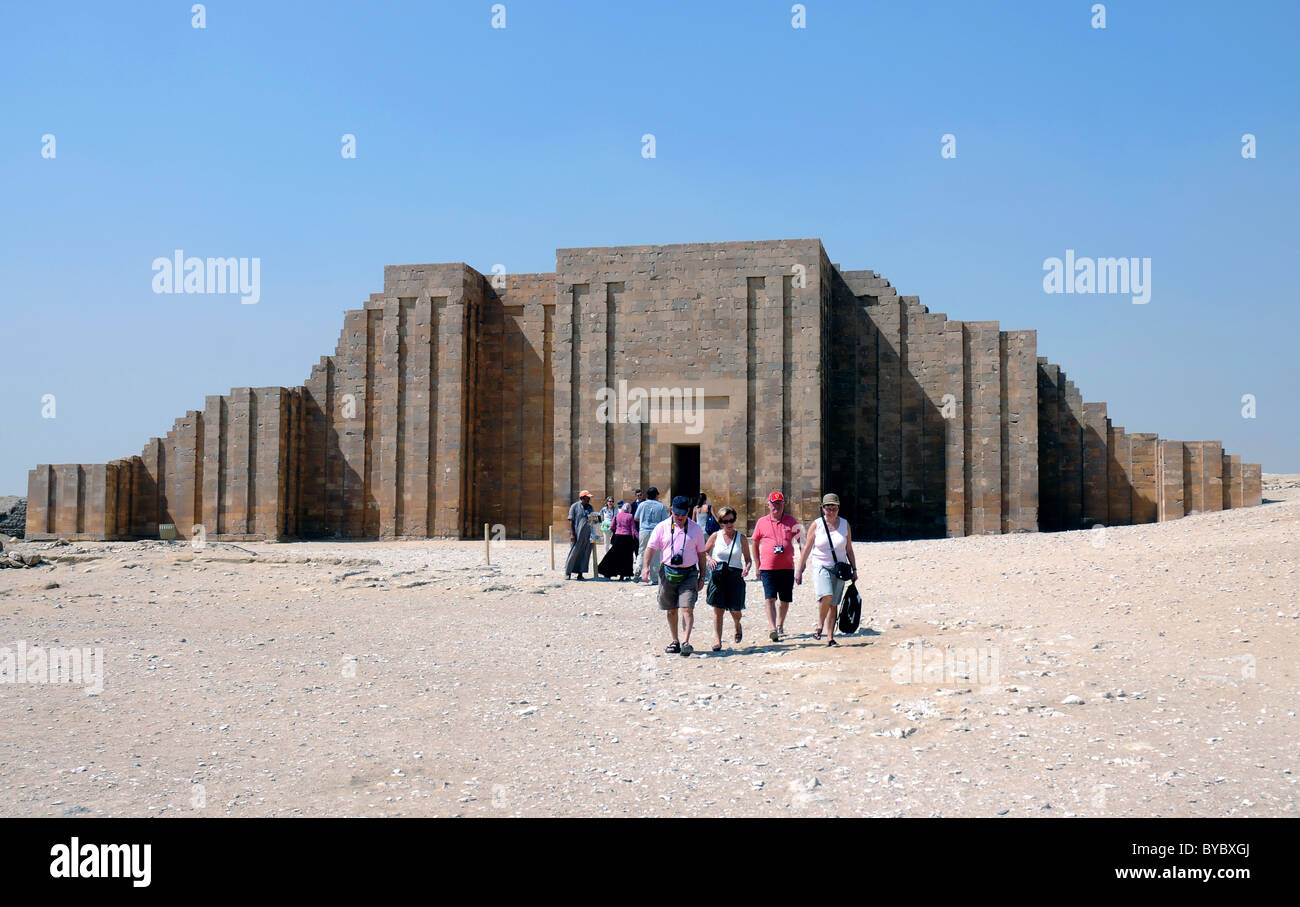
(774,537)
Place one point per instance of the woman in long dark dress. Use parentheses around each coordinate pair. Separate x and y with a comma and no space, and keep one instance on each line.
(618,560)
(580,536)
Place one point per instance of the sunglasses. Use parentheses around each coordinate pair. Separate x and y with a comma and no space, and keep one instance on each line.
(727,522)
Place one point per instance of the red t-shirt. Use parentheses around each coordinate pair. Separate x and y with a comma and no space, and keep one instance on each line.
(768,533)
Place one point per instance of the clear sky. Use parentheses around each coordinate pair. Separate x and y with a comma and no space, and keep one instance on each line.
(493,146)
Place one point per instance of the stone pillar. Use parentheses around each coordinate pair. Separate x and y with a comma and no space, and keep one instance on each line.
(1194,477)
(268,464)
(1096,481)
(214,464)
(1251,484)
(185,473)
(1145,495)
(1018,395)
(955,429)
(1233,487)
(1119,470)
(98,501)
(40,502)
(1171,479)
(124,497)
(887,319)
(68,500)
(912,404)
(983,429)
(1072,420)
(563,367)
(1051,515)
(1213,459)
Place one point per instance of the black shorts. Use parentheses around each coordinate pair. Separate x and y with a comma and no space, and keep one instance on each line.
(778,584)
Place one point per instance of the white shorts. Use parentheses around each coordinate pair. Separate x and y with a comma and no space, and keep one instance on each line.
(825,582)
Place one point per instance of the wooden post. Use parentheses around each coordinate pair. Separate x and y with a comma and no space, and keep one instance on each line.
(550,543)
(487,547)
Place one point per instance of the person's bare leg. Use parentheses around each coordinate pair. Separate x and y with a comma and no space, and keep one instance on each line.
(688,624)
(672,623)
(823,605)
(771,613)
(717,625)
(832,619)
(735,619)
(785,609)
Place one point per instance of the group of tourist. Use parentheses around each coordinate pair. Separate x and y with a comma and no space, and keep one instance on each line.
(682,551)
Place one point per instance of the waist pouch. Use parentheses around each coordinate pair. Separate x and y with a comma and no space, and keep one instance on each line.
(677,575)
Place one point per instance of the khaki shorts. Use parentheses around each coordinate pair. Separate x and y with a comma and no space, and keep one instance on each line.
(682,595)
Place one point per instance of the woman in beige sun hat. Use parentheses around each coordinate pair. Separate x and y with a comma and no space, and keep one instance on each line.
(830,544)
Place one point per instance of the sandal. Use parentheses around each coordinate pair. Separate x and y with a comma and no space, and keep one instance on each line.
(687,648)
(672,648)
(739,635)
(831,642)
(774,636)
(817,634)
(717,647)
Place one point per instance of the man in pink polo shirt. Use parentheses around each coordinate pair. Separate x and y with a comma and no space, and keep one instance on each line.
(774,537)
(677,546)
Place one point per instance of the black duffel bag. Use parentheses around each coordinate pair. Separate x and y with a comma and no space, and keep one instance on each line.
(850,609)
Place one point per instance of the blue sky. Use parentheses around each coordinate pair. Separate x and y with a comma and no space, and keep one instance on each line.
(499,145)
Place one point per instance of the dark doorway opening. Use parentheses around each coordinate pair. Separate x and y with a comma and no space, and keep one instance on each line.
(686,471)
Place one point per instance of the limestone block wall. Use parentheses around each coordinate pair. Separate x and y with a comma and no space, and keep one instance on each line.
(224,468)
(420,357)
(513,420)
(73,501)
(739,321)
(1144,478)
(934,429)
(452,400)
(387,421)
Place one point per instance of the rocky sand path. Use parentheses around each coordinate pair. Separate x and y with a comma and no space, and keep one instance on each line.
(1140,671)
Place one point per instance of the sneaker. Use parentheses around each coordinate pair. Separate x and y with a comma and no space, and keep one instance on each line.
(687,648)
(774,636)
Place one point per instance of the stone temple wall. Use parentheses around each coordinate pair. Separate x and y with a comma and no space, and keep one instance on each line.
(453,400)
(735,320)
(935,422)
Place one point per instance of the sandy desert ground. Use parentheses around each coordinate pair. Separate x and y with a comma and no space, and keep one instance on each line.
(1134,671)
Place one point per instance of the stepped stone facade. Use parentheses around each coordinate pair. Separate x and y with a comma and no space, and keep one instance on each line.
(455,400)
